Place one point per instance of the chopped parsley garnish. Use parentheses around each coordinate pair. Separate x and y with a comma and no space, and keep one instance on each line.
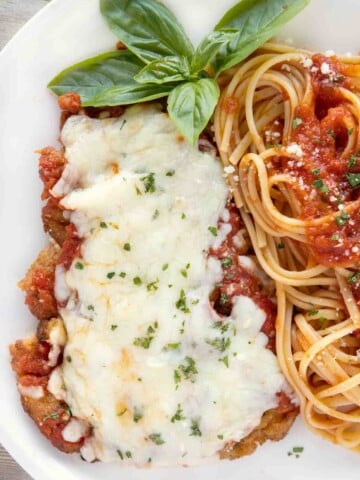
(122,125)
(138,191)
(229,276)
(91,307)
(183,216)
(114,327)
(170,173)
(350,131)
(120,414)
(138,415)
(178,415)
(220,343)
(220,437)
(187,371)
(353,179)
(195,429)
(153,286)
(79,266)
(331,132)
(224,298)
(319,184)
(53,416)
(137,281)
(311,313)
(281,245)
(156,214)
(342,219)
(165,267)
(226,262)
(128,454)
(224,327)
(354,277)
(181,303)
(119,452)
(122,274)
(225,361)
(213,230)
(149,183)
(335,237)
(156,438)
(316,171)
(172,346)
(352,161)
(68,358)
(110,275)
(127,247)
(184,272)
(296,451)
(296,122)
(143,342)
(103,225)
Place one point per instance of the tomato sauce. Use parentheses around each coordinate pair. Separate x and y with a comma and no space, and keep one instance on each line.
(238,280)
(327,179)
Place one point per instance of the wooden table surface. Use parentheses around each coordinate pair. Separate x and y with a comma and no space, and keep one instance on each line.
(13,14)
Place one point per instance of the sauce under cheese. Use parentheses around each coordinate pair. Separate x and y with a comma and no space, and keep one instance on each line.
(159,376)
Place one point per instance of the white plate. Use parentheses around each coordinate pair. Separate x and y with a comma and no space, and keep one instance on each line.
(64,32)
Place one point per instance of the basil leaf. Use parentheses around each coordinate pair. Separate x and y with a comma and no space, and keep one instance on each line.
(128,95)
(209,47)
(191,104)
(147,27)
(168,69)
(94,75)
(256,22)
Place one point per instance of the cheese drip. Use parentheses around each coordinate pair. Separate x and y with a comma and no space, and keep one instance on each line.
(148,363)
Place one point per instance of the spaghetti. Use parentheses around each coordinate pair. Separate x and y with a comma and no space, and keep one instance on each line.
(289,123)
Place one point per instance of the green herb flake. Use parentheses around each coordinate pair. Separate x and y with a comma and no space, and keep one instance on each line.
(352,161)
(224,299)
(156,438)
(138,415)
(354,277)
(68,358)
(122,274)
(353,179)
(225,361)
(220,437)
(153,286)
(143,342)
(311,313)
(120,414)
(335,237)
(127,247)
(156,214)
(213,231)
(226,262)
(184,273)
(331,132)
(178,415)
(350,131)
(149,183)
(298,449)
(296,122)
(342,219)
(316,172)
(165,267)
(110,275)
(119,452)
(128,454)
(91,307)
(181,302)
(138,191)
(53,416)
(195,429)
(281,246)
(183,216)
(170,173)
(220,343)
(319,184)
(103,225)
(187,371)
(137,281)
(172,346)
(114,327)
(79,266)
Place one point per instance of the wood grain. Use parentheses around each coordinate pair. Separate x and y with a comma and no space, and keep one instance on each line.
(13,15)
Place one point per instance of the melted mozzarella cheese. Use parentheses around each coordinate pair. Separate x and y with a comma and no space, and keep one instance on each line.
(147,362)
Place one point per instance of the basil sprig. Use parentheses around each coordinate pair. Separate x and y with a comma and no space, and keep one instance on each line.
(160,60)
